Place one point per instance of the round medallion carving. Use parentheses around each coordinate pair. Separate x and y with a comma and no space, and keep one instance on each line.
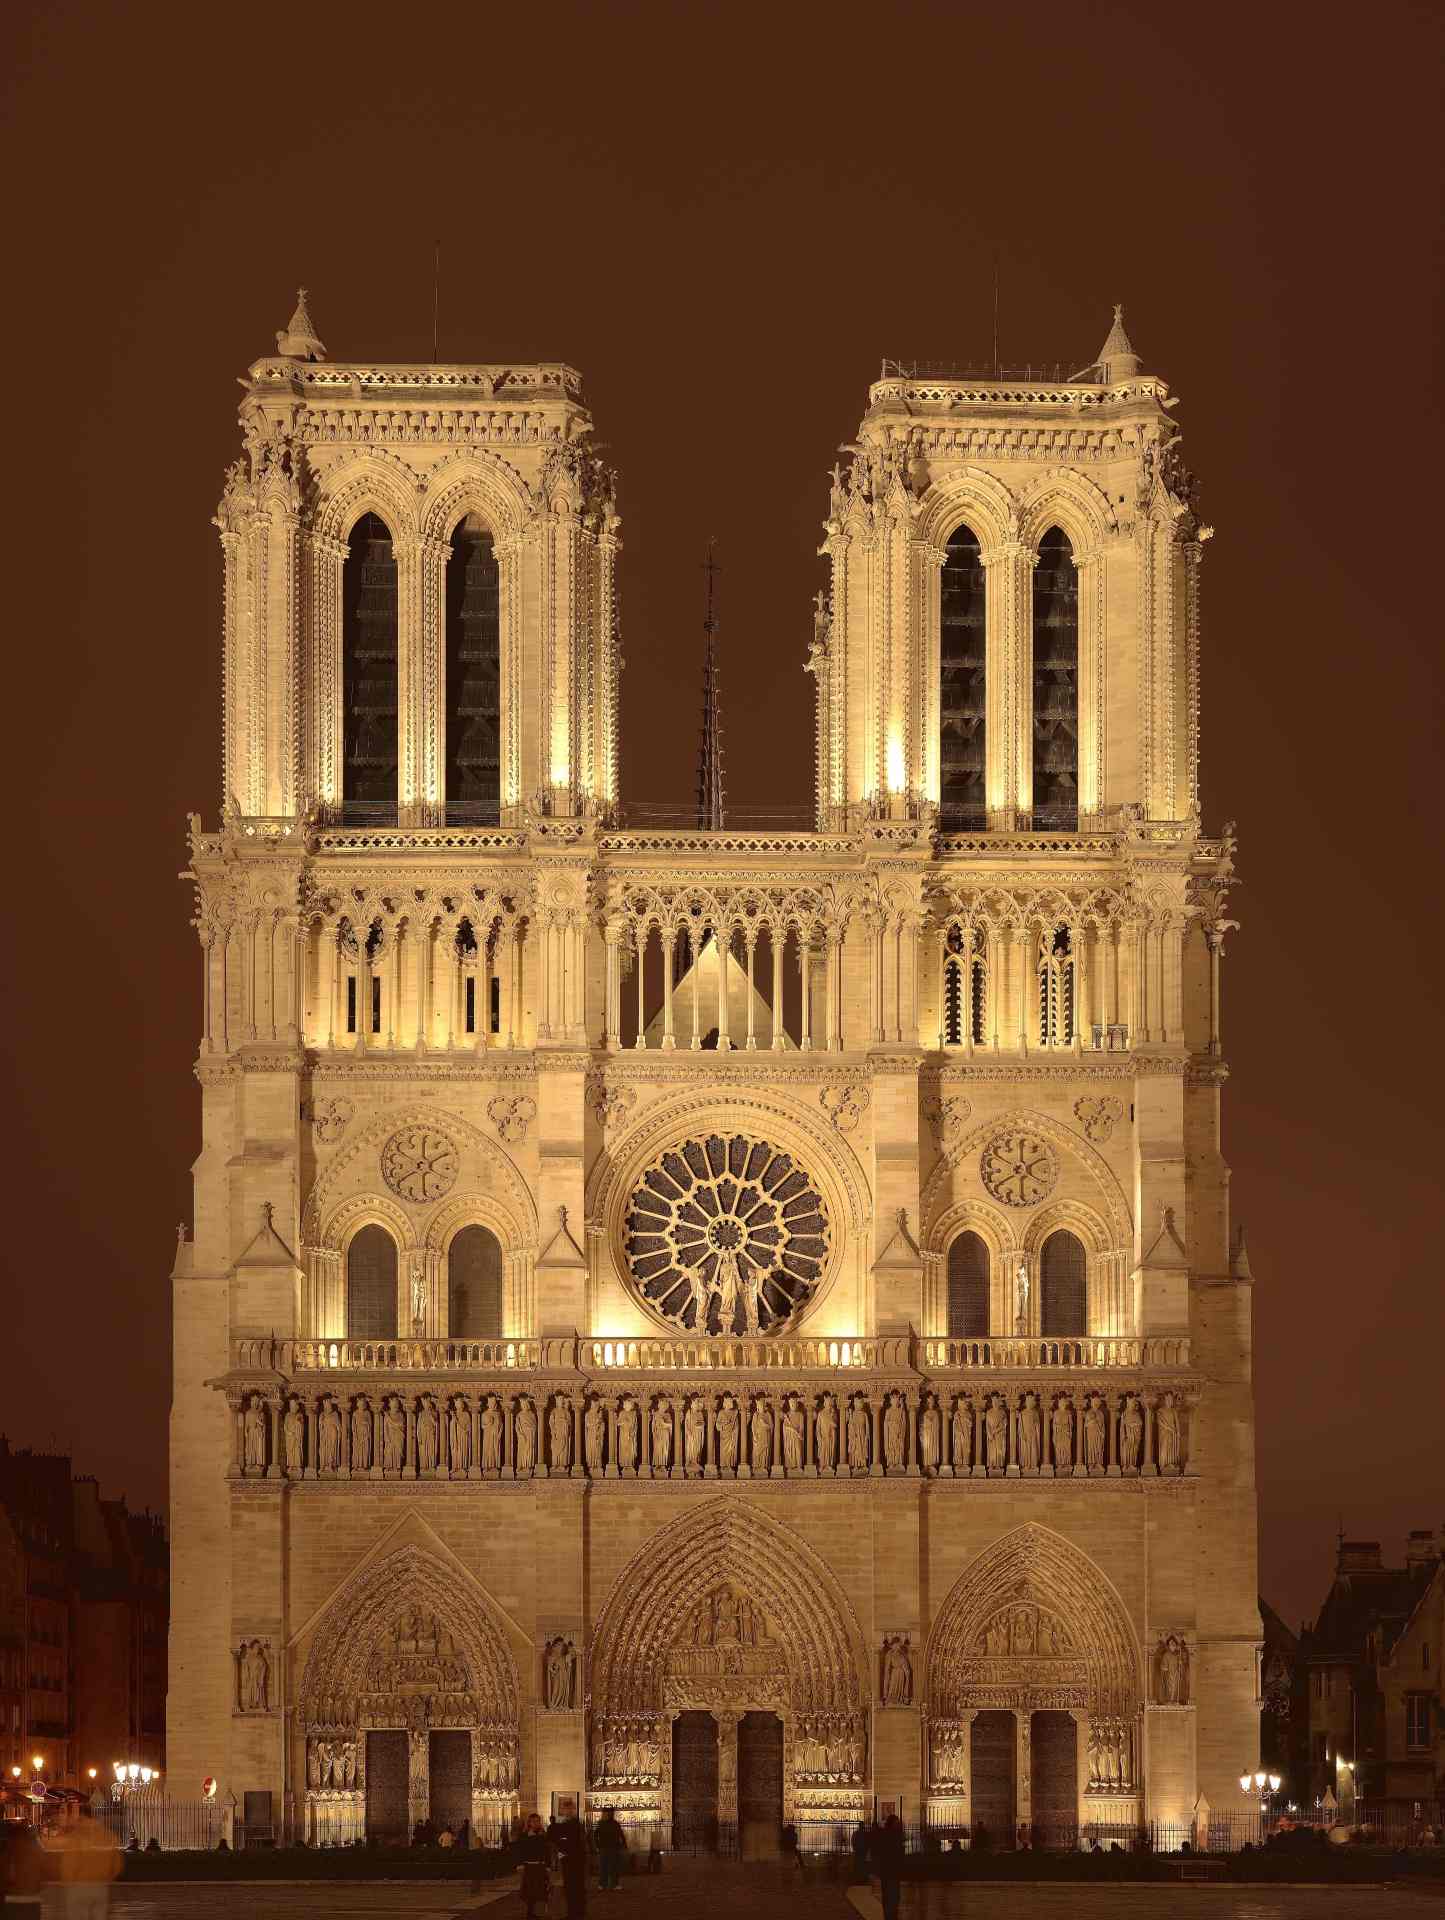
(419,1163)
(1019,1168)
(726,1235)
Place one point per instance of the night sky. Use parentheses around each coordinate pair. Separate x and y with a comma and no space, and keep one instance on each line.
(725,217)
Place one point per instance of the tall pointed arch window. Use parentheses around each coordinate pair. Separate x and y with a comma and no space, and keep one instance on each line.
(1063,1285)
(962,708)
(473,678)
(369,674)
(1056,685)
(371,1285)
(968,1278)
(1057,984)
(965,990)
(474,1285)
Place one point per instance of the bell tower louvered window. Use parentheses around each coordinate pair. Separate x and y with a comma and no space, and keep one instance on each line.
(369,674)
(1063,1285)
(371,1285)
(1056,686)
(962,711)
(967,1288)
(473,665)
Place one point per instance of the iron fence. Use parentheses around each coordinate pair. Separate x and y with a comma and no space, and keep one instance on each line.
(137,1820)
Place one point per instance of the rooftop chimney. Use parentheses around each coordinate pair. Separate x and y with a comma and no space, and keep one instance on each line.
(1358,1556)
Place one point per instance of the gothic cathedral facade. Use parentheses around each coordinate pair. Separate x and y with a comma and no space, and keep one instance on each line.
(731,1325)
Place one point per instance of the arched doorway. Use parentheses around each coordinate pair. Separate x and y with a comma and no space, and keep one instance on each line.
(1033,1662)
(408,1706)
(728,1684)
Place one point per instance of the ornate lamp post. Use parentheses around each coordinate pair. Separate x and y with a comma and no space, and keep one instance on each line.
(1262,1787)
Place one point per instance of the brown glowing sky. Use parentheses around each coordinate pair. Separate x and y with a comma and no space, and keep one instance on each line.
(725,216)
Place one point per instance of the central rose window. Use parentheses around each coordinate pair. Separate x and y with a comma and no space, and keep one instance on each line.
(726,1235)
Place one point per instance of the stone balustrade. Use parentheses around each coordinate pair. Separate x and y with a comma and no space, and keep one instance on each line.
(889,1353)
(1006,1352)
(268,1354)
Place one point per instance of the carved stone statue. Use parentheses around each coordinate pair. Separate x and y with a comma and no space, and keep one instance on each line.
(1096,1434)
(1021,1297)
(255,1433)
(459,1435)
(347,1760)
(694,1435)
(559,1675)
(794,1433)
(559,1431)
(1063,1425)
(729,1434)
(526,1452)
(1173,1671)
(427,1436)
(897,1672)
(594,1435)
(255,1677)
(962,1435)
(761,1428)
(627,1431)
(315,1753)
(827,1434)
(1030,1434)
(360,1435)
(995,1432)
(294,1436)
(859,1436)
(895,1433)
(393,1436)
(662,1437)
(930,1435)
(492,1424)
(328,1436)
(1131,1435)
(1167,1435)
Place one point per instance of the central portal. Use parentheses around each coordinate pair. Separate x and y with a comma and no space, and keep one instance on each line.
(694,1782)
(760,1784)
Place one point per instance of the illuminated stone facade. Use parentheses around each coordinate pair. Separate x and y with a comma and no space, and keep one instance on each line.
(724,1322)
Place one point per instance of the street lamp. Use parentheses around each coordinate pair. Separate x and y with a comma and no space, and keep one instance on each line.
(1260,1786)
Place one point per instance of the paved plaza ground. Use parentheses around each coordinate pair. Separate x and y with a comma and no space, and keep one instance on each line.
(766,1892)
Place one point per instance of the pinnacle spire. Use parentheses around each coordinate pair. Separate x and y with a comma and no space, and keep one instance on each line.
(1117,358)
(710,789)
(299,340)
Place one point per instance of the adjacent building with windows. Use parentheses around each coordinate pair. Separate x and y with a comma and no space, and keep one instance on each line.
(731,1323)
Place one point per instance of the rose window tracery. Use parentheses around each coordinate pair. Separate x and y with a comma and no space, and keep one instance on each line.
(726,1235)
(1018,1168)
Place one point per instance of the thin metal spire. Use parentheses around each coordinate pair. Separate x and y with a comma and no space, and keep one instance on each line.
(710,789)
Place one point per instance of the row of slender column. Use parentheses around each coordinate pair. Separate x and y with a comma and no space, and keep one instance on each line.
(423,989)
(1123,981)
(628,943)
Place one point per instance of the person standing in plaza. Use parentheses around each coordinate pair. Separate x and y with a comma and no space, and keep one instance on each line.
(888,1863)
(611,1844)
(88,1860)
(531,1857)
(570,1839)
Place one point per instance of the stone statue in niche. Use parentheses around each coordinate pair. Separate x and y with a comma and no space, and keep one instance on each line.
(794,1424)
(343,1766)
(729,1434)
(1063,1426)
(492,1435)
(859,1435)
(761,1429)
(694,1435)
(962,1435)
(526,1450)
(1167,1435)
(1131,1434)
(393,1436)
(318,1763)
(559,1430)
(895,1433)
(293,1433)
(627,1431)
(253,1677)
(930,1435)
(662,1437)
(560,1668)
(1030,1434)
(1096,1434)
(427,1435)
(255,1434)
(459,1435)
(897,1677)
(995,1433)
(1021,1297)
(328,1437)
(360,1435)
(418,1713)
(827,1434)
(1173,1662)
(594,1435)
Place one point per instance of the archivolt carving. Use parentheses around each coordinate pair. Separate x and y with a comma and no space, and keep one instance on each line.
(474,1210)
(1082,1220)
(1072,501)
(482,484)
(999,1235)
(1033,1621)
(972,497)
(371,484)
(729,1547)
(513,1195)
(412,1621)
(364,1210)
(1112,1203)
